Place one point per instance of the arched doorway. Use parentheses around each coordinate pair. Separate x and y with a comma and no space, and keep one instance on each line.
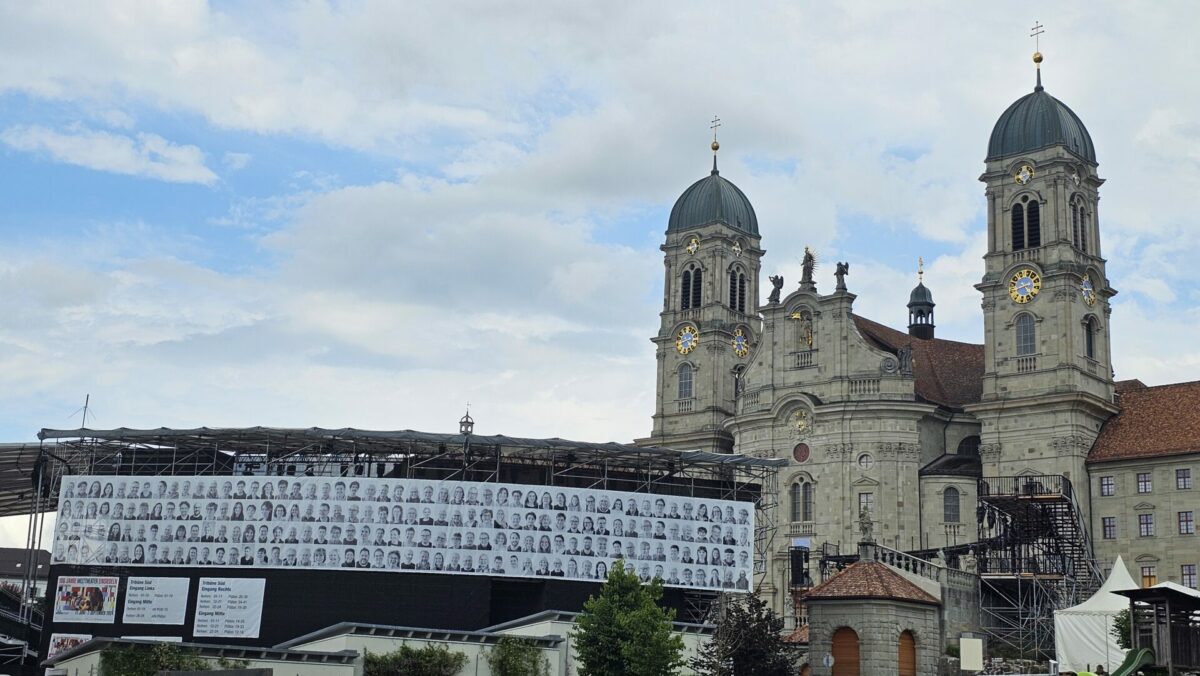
(908,654)
(845,652)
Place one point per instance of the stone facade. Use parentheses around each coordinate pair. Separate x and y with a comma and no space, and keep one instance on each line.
(878,623)
(1168,550)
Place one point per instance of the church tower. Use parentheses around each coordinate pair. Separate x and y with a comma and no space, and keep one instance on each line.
(709,321)
(1048,381)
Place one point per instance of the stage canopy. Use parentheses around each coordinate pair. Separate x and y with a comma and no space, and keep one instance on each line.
(1083,633)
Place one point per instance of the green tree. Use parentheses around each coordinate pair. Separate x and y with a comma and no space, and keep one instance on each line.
(1120,629)
(747,642)
(434,660)
(138,660)
(624,632)
(516,656)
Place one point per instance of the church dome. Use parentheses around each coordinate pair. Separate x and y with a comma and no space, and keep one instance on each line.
(921,295)
(713,199)
(1038,120)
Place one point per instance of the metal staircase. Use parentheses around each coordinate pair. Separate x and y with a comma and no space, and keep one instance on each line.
(1034,556)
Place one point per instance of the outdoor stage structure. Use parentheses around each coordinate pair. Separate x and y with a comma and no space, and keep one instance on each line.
(114,596)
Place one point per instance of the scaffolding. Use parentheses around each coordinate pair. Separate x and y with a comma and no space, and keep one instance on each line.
(348,452)
(1034,556)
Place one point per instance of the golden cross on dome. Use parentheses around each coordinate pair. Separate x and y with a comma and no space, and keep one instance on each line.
(716,122)
(1035,33)
(920,270)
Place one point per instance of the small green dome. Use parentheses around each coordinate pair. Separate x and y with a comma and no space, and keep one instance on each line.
(713,199)
(920,296)
(1038,120)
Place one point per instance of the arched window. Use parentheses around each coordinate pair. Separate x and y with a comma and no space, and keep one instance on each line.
(950,505)
(737,291)
(1089,337)
(1018,227)
(696,280)
(1026,224)
(800,495)
(685,291)
(1026,335)
(685,381)
(1078,224)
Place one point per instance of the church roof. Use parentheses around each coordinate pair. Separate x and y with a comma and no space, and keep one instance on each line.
(1153,421)
(946,372)
(713,199)
(869,580)
(954,464)
(921,295)
(1038,120)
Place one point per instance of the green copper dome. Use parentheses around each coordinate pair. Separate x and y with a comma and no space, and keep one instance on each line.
(713,199)
(920,296)
(1037,121)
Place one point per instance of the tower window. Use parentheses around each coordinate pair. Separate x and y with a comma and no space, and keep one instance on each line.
(1026,224)
(950,504)
(806,495)
(737,291)
(696,281)
(1018,227)
(1078,224)
(685,293)
(1026,335)
(1089,337)
(685,381)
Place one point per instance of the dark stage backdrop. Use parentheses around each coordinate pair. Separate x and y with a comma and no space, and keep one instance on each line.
(296,602)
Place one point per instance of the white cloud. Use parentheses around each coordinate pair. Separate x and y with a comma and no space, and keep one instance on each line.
(145,155)
(236,161)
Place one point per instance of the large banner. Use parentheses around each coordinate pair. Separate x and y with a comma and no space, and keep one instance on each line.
(403,525)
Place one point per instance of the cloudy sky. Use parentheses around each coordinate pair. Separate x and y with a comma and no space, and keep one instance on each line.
(370,214)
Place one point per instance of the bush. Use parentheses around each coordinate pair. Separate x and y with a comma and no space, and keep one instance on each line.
(1120,629)
(952,650)
(140,660)
(515,656)
(434,660)
(624,632)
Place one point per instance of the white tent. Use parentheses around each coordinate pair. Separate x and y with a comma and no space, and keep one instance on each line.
(1083,633)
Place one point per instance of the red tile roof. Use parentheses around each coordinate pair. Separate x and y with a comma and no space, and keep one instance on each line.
(946,372)
(1153,421)
(869,580)
(798,636)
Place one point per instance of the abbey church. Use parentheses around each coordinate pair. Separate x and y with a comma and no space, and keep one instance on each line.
(924,445)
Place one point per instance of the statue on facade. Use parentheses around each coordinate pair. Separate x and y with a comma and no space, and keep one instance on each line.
(905,356)
(776,286)
(843,269)
(969,564)
(865,526)
(808,265)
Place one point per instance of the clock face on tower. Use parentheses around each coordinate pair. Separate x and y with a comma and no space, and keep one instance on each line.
(1025,174)
(693,246)
(687,339)
(741,344)
(1088,290)
(1024,285)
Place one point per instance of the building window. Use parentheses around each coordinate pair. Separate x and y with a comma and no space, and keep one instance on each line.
(950,505)
(685,290)
(969,446)
(1149,576)
(865,461)
(1108,526)
(867,501)
(1108,486)
(1183,479)
(1026,224)
(1079,224)
(1146,525)
(737,291)
(685,381)
(696,283)
(1187,575)
(1089,337)
(1145,483)
(1026,335)
(795,495)
(1187,523)
(806,495)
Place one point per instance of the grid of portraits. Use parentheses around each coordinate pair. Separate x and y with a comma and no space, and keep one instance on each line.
(403,525)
